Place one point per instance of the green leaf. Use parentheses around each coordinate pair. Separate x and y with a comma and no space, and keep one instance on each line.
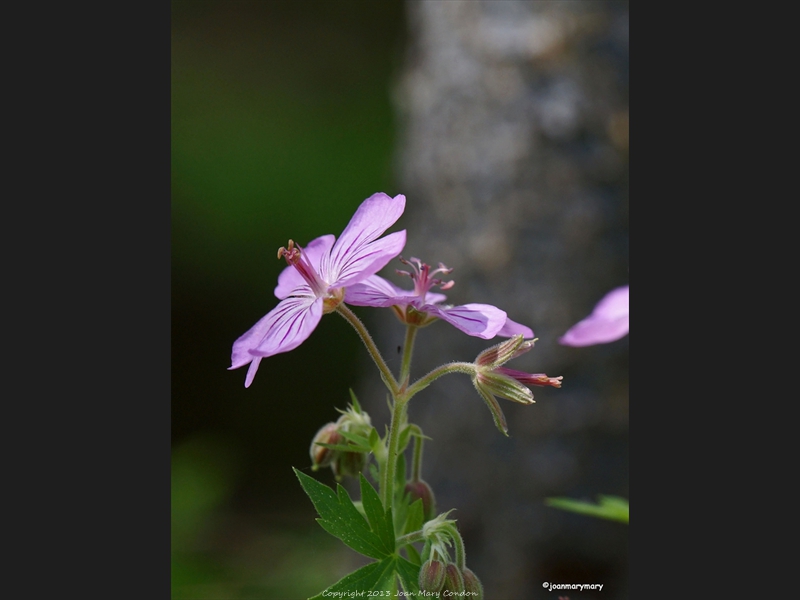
(374,439)
(400,503)
(373,471)
(400,473)
(379,520)
(405,436)
(340,518)
(377,576)
(608,507)
(415,517)
(413,555)
(409,575)
(358,440)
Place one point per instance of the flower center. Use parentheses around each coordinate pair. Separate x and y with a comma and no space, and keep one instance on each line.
(423,278)
(296,258)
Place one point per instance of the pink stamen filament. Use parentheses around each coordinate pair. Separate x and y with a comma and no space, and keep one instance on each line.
(294,257)
(423,276)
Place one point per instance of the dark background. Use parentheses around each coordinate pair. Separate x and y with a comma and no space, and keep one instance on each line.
(281,126)
(284,118)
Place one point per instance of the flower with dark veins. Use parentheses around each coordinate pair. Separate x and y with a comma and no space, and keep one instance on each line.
(421,306)
(316,277)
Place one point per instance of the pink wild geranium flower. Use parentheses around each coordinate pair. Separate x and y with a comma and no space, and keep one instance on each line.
(420,306)
(314,282)
(607,323)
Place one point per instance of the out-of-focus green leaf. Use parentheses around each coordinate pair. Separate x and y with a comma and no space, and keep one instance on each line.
(607,507)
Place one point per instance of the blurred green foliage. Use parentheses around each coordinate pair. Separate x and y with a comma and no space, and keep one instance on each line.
(281,125)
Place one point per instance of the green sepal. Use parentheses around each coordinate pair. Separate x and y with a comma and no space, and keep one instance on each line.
(608,507)
(356,405)
(340,518)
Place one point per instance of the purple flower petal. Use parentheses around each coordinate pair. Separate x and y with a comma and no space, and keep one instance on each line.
(292,322)
(512,328)
(377,291)
(479,320)
(607,323)
(352,251)
(369,259)
(282,329)
(290,279)
(251,371)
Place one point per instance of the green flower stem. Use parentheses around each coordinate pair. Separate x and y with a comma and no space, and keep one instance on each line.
(424,381)
(408,349)
(461,557)
(387,474)
(386,374)
(410,538)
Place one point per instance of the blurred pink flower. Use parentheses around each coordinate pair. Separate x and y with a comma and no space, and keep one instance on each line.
(607,323)
(313,284)
(421,306)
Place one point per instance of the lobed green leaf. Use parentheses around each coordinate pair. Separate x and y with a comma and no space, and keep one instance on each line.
(340,518)
(377,576)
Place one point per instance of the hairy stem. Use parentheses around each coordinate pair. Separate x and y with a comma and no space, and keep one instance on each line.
(386,373)
(408,349)
(410,538)
(424,381)
(461,557)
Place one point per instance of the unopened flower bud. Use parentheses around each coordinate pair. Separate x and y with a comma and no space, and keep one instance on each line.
(348,463)
(453,579)
(504,352)
(472,584)
(431,576)
(320,455)
(421,490)
(504,386)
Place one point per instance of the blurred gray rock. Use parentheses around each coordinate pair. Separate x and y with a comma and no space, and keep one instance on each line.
(514,159)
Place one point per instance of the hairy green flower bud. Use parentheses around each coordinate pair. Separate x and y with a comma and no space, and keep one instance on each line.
(503,352)
(348,463)
(431,576)
(472,585)
(421,490)
(320,455)
(453,579)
